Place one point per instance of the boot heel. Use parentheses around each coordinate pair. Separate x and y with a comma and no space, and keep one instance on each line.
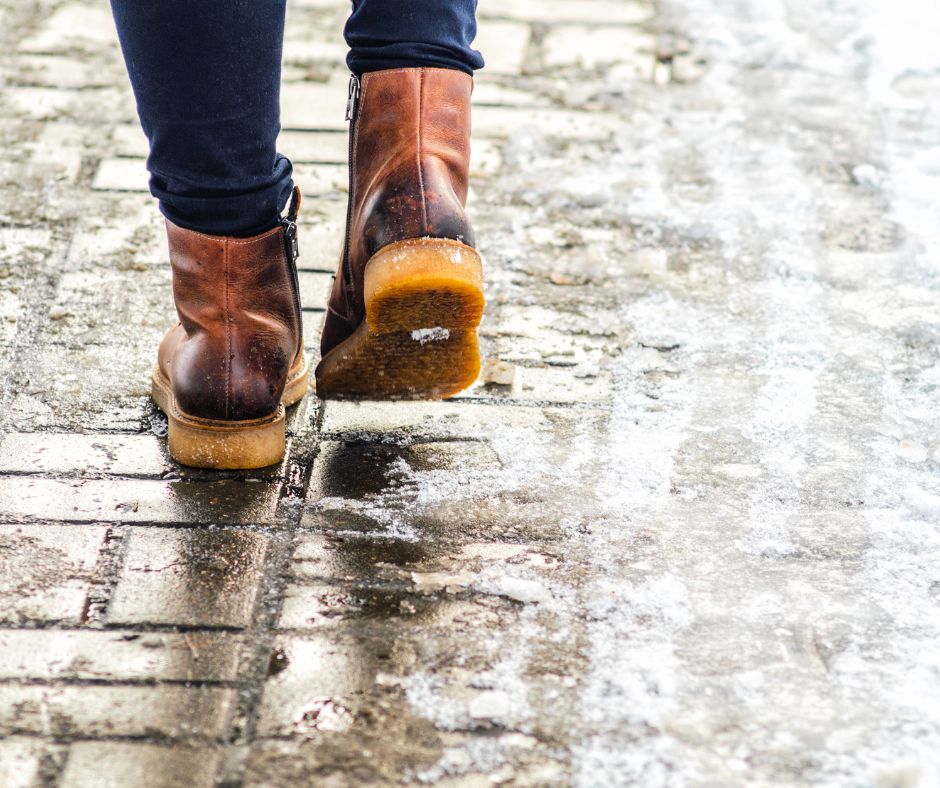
(424,283)
(424,301)
(225,445)
(241,445)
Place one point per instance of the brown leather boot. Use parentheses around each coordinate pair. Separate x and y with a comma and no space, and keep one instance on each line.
(235,360)
(408,296)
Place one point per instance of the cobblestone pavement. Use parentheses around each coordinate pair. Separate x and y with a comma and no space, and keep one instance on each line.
(687,534)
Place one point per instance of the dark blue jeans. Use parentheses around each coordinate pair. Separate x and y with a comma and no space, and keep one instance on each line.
(206,75)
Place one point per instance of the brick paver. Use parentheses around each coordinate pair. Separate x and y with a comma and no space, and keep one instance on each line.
(684,530)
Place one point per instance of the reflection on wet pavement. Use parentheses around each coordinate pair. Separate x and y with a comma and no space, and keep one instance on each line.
(189,577)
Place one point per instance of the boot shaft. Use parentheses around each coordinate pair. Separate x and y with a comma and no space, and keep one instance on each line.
(240,328)
(410,157)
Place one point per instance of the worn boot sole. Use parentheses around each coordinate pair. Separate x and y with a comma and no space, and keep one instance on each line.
(216,443)
(424,301)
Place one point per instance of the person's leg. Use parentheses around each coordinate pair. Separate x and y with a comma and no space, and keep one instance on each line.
(385,34)
(206,76)
(408,295)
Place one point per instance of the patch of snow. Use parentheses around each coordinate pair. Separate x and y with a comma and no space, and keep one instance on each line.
(435,334)
(519,589)
(586,369)
(489,706)
(911,451)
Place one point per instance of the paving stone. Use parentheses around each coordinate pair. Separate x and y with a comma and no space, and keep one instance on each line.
(86,105)
(73,26)
(322,244)
(313,325)
(314,289)
(129,140)
(338,468)
(62,147)
(422,419)
(122,175)
(505,45)
(309,607)
(393,521)
(189,577)
(145,765)
(98,307)
(592,47)
(26,242)
(10,310)
(130,175)
(313,105)
(318,688)
(66,71)
(321,147)
(20,758)
(301,55)
(235,502)
(485,158)
(550,11)
(317,179)
(506,122)
(120,764)
(84,454)
(497,91)
(47,571)
(366,759)
(403,498)
(139,239)
(8,357)
(321,560)
(322,213)
(118,656)
(557,385)
(98,711)
(315,556)
(334,680)
(363,583)
(542,335)
(324,26)
(90,387)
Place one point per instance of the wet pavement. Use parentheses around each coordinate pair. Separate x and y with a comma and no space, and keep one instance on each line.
(685,531)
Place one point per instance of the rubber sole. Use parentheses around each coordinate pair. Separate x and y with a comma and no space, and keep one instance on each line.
(424,302)
(227,445)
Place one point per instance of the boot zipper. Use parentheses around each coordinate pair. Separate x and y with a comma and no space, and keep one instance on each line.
(354,89)
(352,107)
(292,249)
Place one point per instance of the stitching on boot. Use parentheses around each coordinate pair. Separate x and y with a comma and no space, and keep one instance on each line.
(424,202)
(228,334)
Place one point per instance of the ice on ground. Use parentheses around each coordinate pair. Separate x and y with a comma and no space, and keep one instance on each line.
(489,705)
(912,451)
(518,588)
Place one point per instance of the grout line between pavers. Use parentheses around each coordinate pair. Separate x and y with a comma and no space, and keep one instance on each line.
(134,627)
(269,602)
(203,741)
(67,681)
(215,525)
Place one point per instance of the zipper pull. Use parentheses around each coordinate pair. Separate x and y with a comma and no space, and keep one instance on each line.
(354,89)
(290,239)
(289,223)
